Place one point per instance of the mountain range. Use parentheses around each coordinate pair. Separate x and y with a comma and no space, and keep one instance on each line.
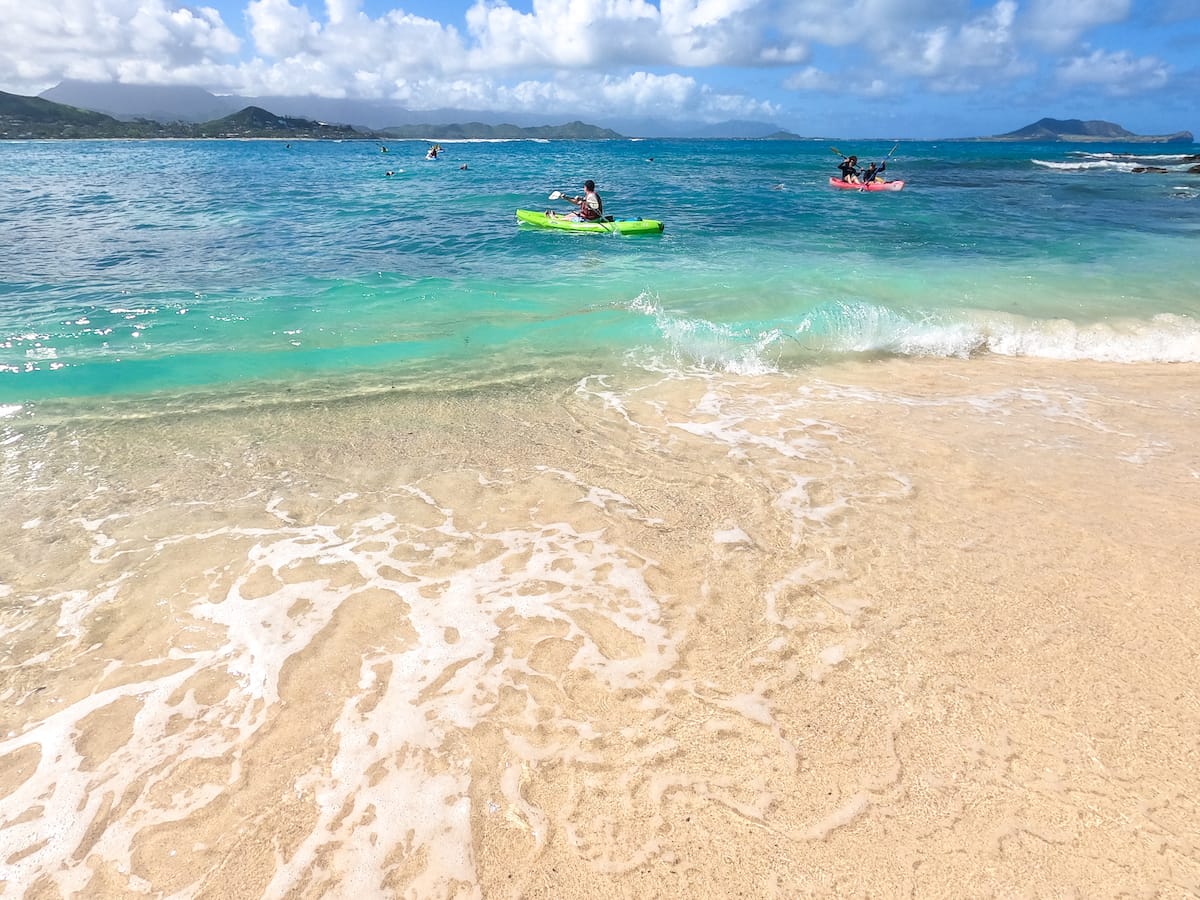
(37,118)
(34,117)
(195,105)
(108,109)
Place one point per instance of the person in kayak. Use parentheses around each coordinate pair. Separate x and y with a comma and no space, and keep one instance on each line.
(849,169)
(591,207)
(874,173)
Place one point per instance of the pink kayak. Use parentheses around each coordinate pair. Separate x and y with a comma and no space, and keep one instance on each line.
(873,186)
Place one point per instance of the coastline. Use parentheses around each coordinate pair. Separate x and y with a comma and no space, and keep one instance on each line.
(879,627)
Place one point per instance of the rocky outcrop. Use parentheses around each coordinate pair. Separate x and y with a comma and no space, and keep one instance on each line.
(1090,131)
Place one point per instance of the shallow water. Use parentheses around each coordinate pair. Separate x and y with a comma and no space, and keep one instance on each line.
(152,268)
(570,568)
(599,640)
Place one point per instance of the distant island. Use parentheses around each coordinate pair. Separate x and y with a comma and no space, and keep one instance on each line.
(28,118)
(1078,131)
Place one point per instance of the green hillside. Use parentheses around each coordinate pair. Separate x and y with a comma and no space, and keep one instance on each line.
(33,117)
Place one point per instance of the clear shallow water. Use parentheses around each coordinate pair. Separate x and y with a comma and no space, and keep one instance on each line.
(359,543)
(137,268)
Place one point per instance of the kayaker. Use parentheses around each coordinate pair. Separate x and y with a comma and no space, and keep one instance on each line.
(849,169)
(873,172)
(591,207)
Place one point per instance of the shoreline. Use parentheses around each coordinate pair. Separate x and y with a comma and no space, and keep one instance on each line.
(899,626)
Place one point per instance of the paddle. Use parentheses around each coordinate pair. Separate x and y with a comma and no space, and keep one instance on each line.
(883,165)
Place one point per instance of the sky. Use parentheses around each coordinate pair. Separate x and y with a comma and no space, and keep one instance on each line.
(854,68)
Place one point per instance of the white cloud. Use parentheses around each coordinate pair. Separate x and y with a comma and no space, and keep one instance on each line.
(813,80)
(281,30)
(957,56)
(561,33)
(347,54)
(817,81)
(594,57)
(46,42)
(584,33)
(593,95)
(713,32)
(1060,23)
(838,23)
(642,93)
(1120,74)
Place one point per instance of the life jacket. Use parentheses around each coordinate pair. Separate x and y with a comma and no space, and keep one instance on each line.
(587,210)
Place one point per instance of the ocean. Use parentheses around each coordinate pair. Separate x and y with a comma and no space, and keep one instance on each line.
(361,542)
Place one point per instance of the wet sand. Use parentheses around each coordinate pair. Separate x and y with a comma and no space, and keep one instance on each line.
(904,628)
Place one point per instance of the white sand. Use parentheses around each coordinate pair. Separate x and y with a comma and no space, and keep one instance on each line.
(892,629)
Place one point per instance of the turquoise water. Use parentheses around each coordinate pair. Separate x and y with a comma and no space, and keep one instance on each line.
(135,270)
(359,542)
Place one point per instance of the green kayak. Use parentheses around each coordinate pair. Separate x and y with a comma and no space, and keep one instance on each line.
(609,225)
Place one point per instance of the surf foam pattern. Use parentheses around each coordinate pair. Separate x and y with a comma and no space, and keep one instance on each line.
(343,691)
(450,590)
(397,626)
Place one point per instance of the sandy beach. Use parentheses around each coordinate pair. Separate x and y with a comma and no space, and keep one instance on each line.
(920,628)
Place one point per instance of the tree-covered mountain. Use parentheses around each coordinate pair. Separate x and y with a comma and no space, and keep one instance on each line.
(256,122)
(35,117)
(171,103)
(36,113)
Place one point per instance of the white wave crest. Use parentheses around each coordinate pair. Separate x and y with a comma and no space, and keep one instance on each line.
(712,346)
(1164,338)
(1089,166)
(864,328)
(1146,157)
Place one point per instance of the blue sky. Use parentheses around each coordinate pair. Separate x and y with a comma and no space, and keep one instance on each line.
(854,68)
